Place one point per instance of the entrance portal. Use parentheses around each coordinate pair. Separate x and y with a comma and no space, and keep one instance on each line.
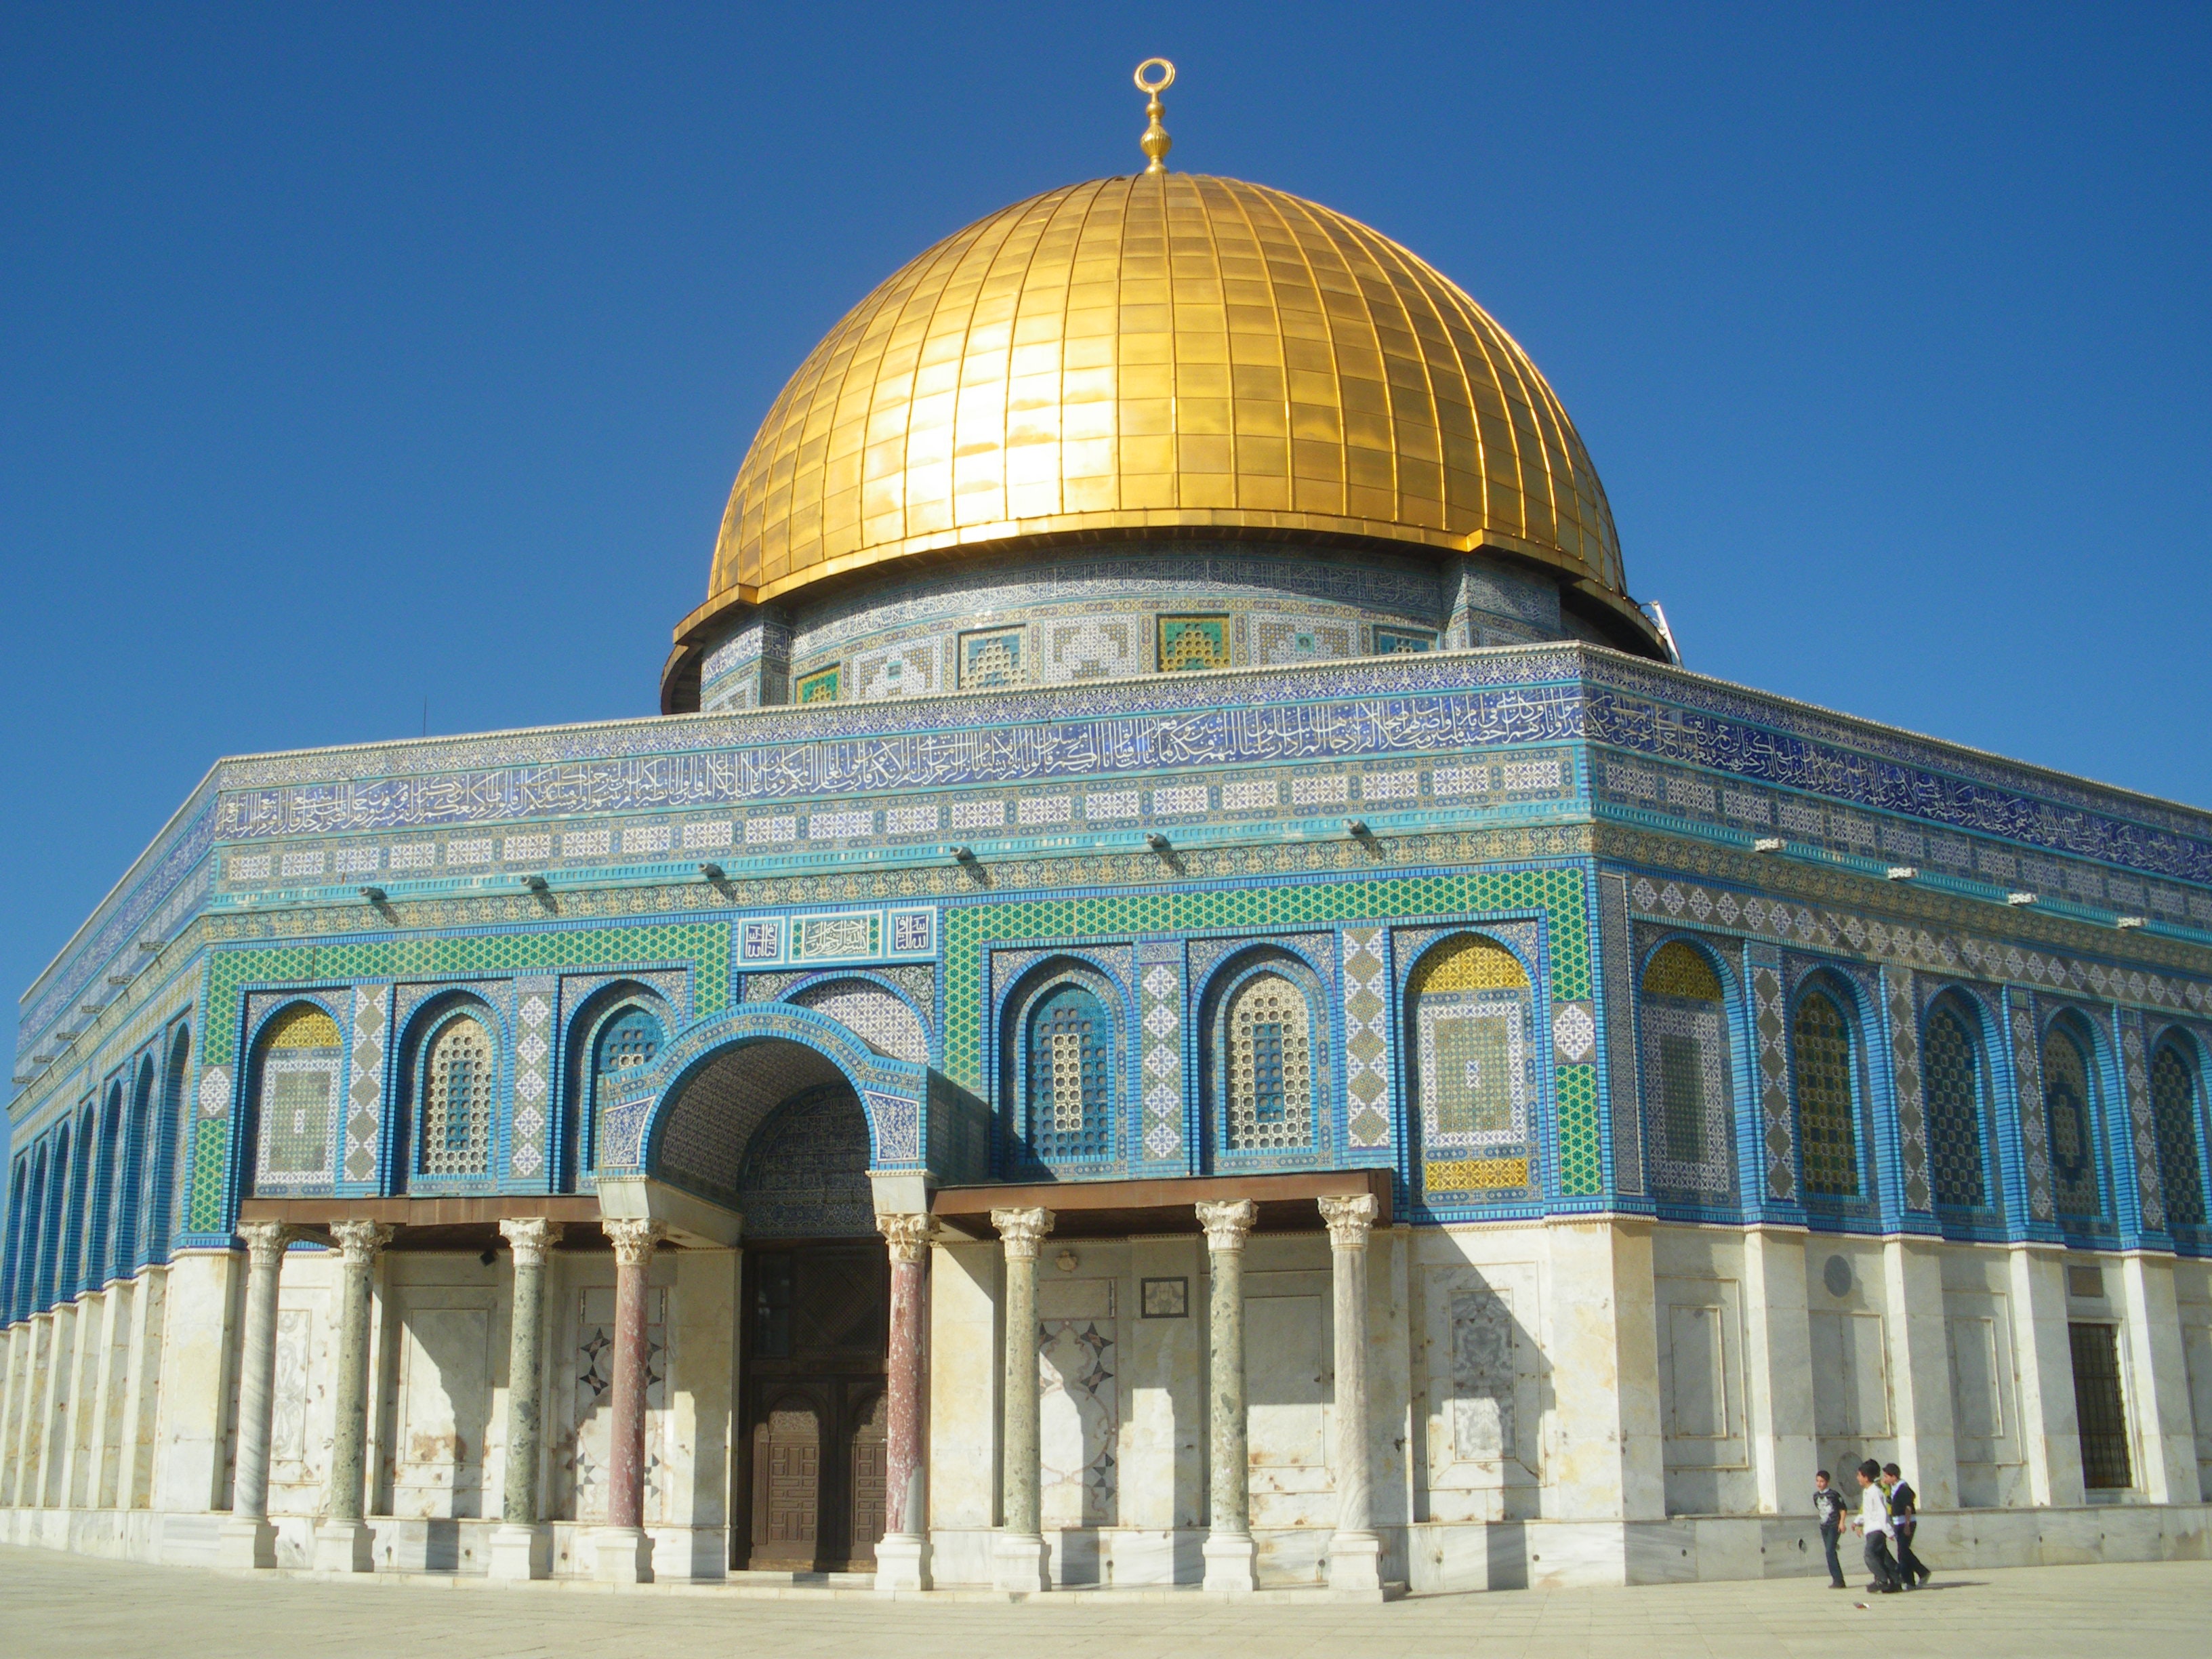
(814,1405)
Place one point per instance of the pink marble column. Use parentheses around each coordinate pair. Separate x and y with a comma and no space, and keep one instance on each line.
(625,1550)
(902,1553)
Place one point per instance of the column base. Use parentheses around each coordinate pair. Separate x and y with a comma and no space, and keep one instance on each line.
(1021,1564)
(625,1555)
(902,1563)
(1229,1563)
(521,1552)
(346,1547)
(244,1544)
(1355,1566)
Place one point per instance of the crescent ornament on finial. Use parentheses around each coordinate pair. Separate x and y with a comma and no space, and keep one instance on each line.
(1155,143)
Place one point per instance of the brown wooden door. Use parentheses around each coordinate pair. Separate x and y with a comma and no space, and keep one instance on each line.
(814,1406)
(787,1486)
(870,1467)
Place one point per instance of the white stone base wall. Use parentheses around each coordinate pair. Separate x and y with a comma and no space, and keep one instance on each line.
(1587,1402)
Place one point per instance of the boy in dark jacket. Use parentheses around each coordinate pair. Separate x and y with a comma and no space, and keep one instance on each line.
(1828,1506)
(1904,1517)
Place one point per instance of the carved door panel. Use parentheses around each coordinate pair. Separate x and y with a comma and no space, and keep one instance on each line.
(870,1468)
(787,1487)
(814,1406)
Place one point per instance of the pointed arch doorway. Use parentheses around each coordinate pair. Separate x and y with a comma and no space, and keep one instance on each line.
(776,1128)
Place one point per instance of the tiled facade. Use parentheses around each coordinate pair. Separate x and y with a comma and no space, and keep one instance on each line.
(1748,1085)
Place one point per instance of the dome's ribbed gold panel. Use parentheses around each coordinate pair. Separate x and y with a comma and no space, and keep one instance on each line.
(1138,353)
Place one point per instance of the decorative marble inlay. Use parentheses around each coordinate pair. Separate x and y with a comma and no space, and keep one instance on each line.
(1905,1072)
(1367,1039)
(1769,1022)
(1160,1020)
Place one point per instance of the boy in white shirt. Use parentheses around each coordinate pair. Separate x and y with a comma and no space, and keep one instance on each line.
(1874,1523)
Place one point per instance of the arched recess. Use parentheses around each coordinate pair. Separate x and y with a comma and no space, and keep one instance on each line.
(689,1117)
(131,1195)
(1062,1051)
(2070,1115)
(1954,1070)
(100,1222)
(11,1287)
(294,1099)
(1473,1071)
(1264,1072)
(1689,1074)
(50,1239)
(449,1094)
(619,1029)
(70,1278)
(2177,1088)
(168,1140)
(1828,1079)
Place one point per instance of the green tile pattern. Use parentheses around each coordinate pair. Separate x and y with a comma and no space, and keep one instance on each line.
(1580,1173)
(1560,894)
(705,945)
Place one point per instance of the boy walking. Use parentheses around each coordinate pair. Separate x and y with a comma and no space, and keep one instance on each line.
(1905,1518)
(1828,1506)
(1874,1523)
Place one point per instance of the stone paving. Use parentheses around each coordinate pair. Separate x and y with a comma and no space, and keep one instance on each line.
(54,1604)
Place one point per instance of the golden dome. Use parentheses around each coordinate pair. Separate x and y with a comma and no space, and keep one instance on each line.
(1164,352)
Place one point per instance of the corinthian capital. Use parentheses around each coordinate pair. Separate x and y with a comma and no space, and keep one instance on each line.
(266,1241)
(360,1242)
(1022,1231)
(908,1235)
(1349,1220)
(1228,1224)
(529,1237)
(633,1239)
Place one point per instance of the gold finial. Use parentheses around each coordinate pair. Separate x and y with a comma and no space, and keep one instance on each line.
(1155,143)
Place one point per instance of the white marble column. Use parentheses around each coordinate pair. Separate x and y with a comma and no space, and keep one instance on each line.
(1355,1553)
(522,1545)
(903,1553)
(1020,1561)
(1920,1368)
(248,1541)
(54,1422)
(2165,1420)
(1228,1550)
(12,1347)
(1778,1378)
(343,1541)
(2043,1350)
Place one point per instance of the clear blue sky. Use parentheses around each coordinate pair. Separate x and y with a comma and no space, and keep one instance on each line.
(355,356)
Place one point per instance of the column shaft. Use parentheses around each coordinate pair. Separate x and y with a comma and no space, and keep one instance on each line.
(625,1550)
(626,1447)
(521,1548)
(1228,1552)
(249,1541)
(1355,1553)
(901,1561)
(1020,1558)
(343,1543)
